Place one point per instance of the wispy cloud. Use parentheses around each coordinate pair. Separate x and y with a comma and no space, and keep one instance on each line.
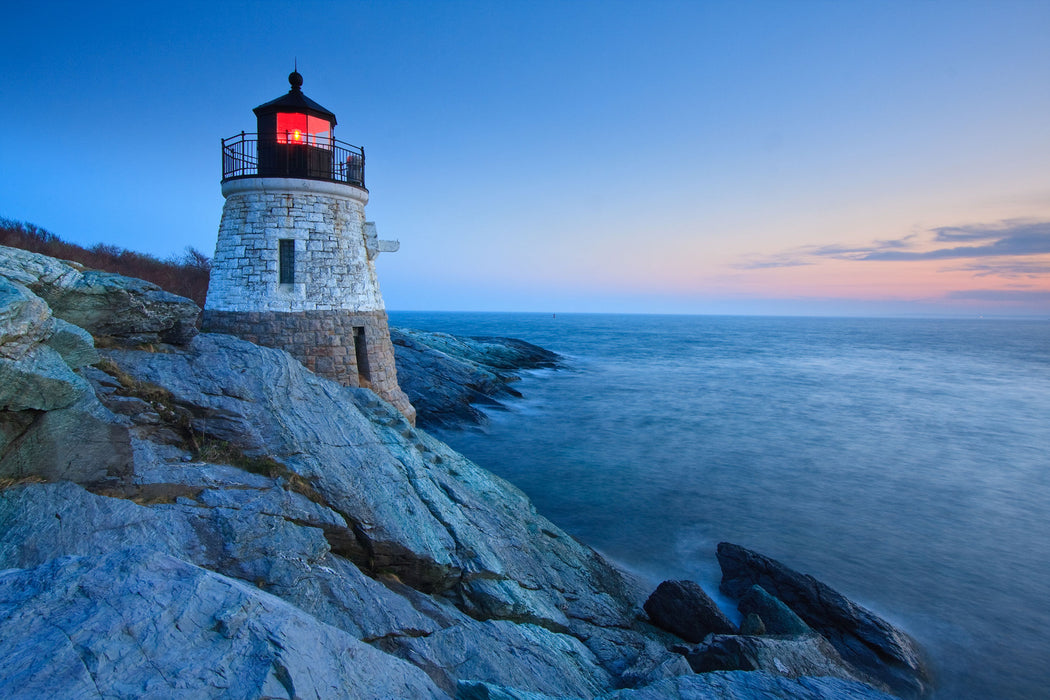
(978,232)
(807,255)
(852,252)
(953,234)
(1006,242)
(1009,268)
(786,259)
(1017,295)
(1002,241)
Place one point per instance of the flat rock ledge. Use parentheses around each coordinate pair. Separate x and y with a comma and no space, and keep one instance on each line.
(449,379)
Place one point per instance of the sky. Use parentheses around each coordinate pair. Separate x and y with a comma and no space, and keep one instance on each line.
(792,157)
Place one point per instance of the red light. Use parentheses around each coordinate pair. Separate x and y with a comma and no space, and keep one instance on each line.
(301,128)
(290,127)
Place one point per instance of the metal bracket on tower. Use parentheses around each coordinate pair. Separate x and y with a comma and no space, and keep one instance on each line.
(374,246)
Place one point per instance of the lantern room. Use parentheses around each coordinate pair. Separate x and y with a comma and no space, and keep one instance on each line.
(295,118)
(295,138)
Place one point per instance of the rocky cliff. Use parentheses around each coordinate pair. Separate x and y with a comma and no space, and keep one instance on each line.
(190,515)
(447,378)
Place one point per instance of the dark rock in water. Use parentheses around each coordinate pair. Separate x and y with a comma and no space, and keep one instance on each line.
(809,655)
(865,640)
(446,376)
(776,617)
(682,608)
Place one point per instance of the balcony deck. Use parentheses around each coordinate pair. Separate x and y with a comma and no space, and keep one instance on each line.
(244,156)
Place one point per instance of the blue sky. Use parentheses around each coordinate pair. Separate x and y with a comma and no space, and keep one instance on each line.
(678,157)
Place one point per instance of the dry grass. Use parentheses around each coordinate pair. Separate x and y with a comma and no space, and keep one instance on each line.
(150,494)
(157,396)
(10,482)
(223,452)
(186,276)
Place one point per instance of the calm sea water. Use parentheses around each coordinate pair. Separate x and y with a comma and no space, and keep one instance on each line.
(904,462)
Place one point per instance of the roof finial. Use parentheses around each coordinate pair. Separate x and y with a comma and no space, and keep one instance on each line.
(294,79)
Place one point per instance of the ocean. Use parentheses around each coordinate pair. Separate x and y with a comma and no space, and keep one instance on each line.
(905,462)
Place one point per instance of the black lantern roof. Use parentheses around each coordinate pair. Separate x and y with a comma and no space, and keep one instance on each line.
(295,101)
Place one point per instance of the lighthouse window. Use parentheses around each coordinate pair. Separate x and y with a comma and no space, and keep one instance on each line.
(286,260)
(303,128)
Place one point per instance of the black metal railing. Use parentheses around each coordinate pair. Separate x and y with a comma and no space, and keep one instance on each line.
(244,155)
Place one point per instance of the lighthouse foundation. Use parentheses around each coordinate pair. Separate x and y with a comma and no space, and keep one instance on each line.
(352,348)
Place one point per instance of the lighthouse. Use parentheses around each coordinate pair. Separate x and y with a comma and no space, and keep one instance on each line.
(294,260)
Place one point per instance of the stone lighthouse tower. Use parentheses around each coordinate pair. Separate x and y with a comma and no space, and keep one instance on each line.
(293,266)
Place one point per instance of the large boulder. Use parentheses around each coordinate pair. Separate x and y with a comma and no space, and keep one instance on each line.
(250,529)
(82,442)
(51,424)
(138,623)
(125,309)
(25,320)
(39,380)
(864,639)
(36,353)
(684,609)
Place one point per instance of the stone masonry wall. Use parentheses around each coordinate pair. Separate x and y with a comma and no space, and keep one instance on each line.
(326,221)
(324,342)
